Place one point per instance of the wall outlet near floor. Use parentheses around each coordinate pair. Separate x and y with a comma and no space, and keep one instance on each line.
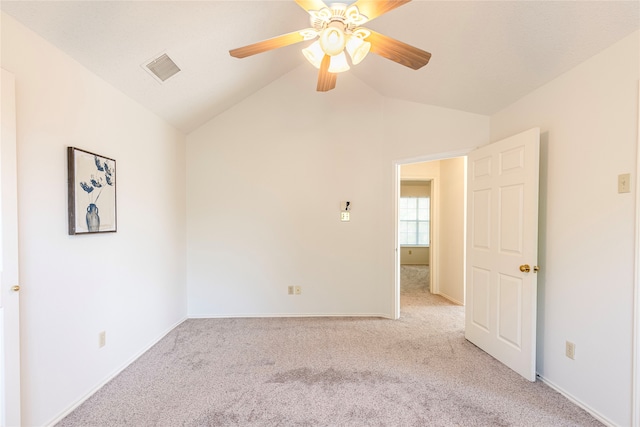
(294,290)
(102,339)
(570,350)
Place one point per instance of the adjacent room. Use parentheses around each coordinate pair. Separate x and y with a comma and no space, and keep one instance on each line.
(431,227)
(175,220)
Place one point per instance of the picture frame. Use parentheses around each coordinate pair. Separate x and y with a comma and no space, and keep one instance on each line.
(92,206)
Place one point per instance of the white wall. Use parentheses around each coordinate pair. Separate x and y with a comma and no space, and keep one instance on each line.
(451,224)
(264,184)
(130,284)
(588,118)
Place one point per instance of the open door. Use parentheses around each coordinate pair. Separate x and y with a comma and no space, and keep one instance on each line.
(502,250)
(9,296)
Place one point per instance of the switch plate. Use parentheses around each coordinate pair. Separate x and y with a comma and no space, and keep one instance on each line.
(624,183)
(102,339)
(290,290)
(345,216)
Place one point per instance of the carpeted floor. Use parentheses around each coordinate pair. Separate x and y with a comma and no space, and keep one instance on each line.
(416,371)
(414,278)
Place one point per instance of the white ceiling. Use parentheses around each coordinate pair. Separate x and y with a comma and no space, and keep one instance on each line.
(486,54)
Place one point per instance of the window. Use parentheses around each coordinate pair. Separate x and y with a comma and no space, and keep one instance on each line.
(414,221)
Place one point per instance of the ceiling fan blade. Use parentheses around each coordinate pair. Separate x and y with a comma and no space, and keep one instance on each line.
(311,4)
(374,8)
(398,51)
(326,80)
(269,44)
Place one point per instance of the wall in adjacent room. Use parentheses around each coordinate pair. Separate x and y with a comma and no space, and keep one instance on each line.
(264,187)
(589,122)
(451,225)
(415,188)
(414,255)
(131,283)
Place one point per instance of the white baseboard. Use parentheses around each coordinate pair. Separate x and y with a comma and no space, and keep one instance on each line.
(111,376)
(597,415)
(453,300)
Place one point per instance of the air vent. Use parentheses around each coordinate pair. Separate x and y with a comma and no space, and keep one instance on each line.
(162,67)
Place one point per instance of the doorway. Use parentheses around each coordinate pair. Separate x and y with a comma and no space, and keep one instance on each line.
(442,253)
(503,235)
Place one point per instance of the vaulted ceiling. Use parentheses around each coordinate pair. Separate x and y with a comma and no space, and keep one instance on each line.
(486,54)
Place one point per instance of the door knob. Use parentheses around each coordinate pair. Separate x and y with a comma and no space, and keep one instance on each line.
(15,288)
(525,268)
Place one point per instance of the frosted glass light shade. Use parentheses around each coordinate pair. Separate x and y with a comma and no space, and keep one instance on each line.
(332,41)
(358,49)
(338,63)
(314,54)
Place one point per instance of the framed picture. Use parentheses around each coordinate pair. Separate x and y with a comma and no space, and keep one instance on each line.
(92,192)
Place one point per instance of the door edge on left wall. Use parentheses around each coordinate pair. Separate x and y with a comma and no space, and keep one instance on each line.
(9,296)
(635,390)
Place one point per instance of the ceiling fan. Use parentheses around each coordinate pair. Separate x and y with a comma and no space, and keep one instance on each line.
(338,28)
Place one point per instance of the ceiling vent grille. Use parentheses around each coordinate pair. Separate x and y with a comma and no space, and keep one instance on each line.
(162,67)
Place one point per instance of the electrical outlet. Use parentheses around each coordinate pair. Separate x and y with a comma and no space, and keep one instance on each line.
(570,350)
(102,339)
(290,290)
(298,290)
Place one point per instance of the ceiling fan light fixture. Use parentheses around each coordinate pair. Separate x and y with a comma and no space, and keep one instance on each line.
(333,40)
(358,49)
(354,17)
(339,63)
(314,54)
(339,31)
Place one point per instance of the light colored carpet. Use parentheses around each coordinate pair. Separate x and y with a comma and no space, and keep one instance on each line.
(414,278)
(416,371)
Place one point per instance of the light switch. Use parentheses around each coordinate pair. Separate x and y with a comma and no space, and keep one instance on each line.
(344,216)
(624,183)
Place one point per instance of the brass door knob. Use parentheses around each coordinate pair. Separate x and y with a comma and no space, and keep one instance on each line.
(525,268)
(15,288)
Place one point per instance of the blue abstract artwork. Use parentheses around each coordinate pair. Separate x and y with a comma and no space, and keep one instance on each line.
(92,192)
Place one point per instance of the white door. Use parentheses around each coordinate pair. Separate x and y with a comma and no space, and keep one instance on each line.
(9,296)
(502,250)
